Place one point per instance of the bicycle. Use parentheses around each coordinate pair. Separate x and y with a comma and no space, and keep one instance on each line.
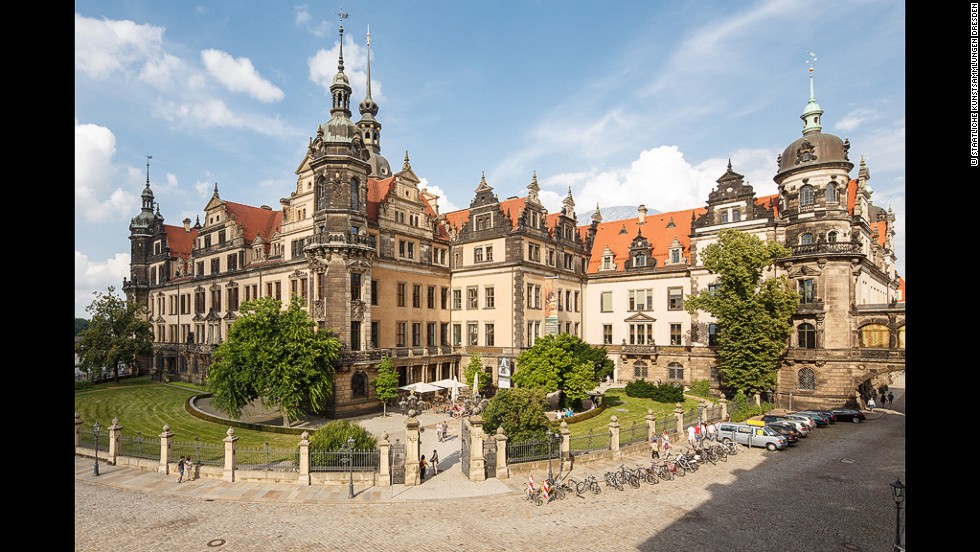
(626,476)
(533,495)
(730,446)
(572,485)
(591,483)
(613,481)
(647,474)
(661,471)
(677,469)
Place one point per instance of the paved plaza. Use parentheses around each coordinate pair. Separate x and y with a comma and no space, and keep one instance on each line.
(836,479)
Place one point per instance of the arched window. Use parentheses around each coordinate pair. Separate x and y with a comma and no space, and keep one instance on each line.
(832,237)
(806,238)
(832,192)
(805,379)
(358,385)
(806,336)
(736,215)
(640,369)
(675,371)
(874,336)
(355,194)
(724,217)
(806,195)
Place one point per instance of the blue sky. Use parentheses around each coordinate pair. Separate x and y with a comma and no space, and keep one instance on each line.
(625,102)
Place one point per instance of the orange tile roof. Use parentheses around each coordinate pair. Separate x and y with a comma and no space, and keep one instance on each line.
(901,287)
(377,193)
(255,221)
(512,207)
(180,241)
(852,190)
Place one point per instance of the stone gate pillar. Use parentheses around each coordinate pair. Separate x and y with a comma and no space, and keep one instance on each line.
(114,430)
(679,419)
(651,424)
(78,430)
(477,461)
(384,471)
(412,444)
(304,458)
(724,407)
(614,437)
(231,446)
(501,468)
(165,438)
(566,434)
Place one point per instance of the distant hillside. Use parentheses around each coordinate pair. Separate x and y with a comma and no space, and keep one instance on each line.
(619,212)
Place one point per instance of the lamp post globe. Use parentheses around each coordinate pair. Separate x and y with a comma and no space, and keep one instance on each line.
(350,467)
(95,431)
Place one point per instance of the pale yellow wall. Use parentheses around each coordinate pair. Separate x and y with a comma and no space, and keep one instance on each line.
(501,315)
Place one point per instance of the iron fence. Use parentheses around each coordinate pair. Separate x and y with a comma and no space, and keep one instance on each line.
(266,458)
(635,433)
(338,460)
(201,453)
(86,439)
(589,442)
(531,450)
(139,446)
(690,417)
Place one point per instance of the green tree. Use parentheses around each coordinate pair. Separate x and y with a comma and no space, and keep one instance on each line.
(520,411)
(81,324)
(554,364)
(754,314)
(476,367)
(274,355)
(333,436)
(386,384)
(118,333)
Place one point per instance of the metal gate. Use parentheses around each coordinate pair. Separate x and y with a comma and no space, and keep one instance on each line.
(464,453)
(397,458)
(490,458)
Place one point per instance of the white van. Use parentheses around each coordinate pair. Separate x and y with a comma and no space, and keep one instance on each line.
(751,435)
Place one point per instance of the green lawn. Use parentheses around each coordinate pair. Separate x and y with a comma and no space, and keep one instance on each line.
(145,406)
(627,410)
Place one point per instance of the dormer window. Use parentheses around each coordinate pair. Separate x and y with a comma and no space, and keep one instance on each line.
(639,260)
(724,217)
(675,255)
(607,262)
(736,215)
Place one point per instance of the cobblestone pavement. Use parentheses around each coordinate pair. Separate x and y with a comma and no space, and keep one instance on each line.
(831,492)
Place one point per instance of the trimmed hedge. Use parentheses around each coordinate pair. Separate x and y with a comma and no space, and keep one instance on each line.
(664,393)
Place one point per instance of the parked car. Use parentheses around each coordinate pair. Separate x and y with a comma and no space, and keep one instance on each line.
(804,425)
(752,435)
(807,421)
(786,430)
(818,419)
(849,414)
(826,413)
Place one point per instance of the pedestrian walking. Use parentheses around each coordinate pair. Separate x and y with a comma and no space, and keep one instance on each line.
(439,431)
(697,435)
(891,397)
(871,404)
(434,460)
(180,469)
(711,431)
(422,465)
(691,436)
(189,468)
(654,446)
(665,442)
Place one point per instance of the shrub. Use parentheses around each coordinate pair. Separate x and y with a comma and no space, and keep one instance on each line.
(520,411)
(665,392)
(333,435)
(700,388)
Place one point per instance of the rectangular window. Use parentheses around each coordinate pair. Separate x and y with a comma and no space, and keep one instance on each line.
(375,333)
(606,302)
(416,334)
(374,292)
(400,295)
(215,266)
(232,262)
(806,290)
(232,299)
(640,299)
(443,298)
(551,257)
(472,333)
(675,334)
(472,298)
(477,254)
(675,256)
(430,297)
(534,252)
(200,268)
(444,333)
(489,253)
(576,301)
(355,286)
(712,335)
(400,334)
(457,299)
(488,334)
(488,297)
(457,334)
(560,303)
(675,298)
(416,296)
(430,334)
(568,261)
(355,336)
(641,334)
(607,334)
(411,250)
(279,291)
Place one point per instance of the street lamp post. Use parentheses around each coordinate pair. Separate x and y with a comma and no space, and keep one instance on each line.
(550,438)
(95,431)
(350,467)
(898,493)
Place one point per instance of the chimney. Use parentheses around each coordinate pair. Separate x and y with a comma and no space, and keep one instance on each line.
(643,213)
(187,225)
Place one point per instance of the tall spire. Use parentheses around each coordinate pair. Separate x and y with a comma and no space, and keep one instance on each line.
(148,157)
(368,108)
(812,112)
(340,88)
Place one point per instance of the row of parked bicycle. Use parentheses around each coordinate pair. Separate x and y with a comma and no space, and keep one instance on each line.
(665,469)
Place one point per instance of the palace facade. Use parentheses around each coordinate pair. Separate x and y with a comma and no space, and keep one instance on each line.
(372,258)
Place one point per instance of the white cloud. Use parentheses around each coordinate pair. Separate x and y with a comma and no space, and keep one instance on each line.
(323,67)
(444,203)
(103,47)
(855,118)
(95,198)
(302,15)
(161,72)
(91,277)
(239,75)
